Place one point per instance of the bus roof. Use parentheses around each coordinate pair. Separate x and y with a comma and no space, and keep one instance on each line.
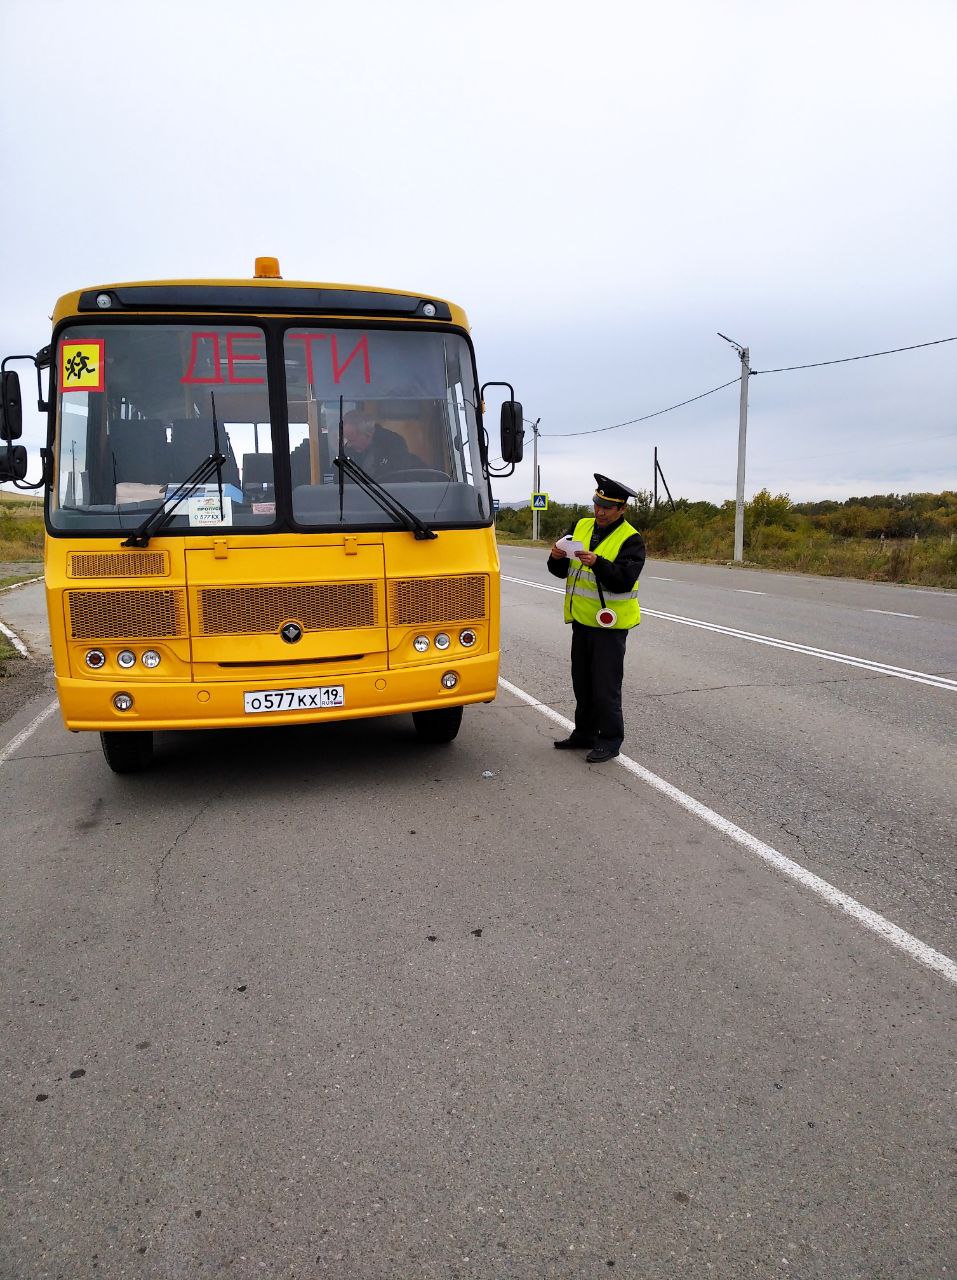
(258,296)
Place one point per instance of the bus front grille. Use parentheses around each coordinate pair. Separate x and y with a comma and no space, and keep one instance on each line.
(118,564)
(125,615)
(318,606)
(413,601)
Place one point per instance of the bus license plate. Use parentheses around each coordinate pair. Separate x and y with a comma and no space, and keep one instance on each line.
(318,699)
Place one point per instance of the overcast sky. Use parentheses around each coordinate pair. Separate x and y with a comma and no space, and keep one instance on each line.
(602,186)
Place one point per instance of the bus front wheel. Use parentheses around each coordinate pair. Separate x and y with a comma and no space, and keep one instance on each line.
(127,752)
(437,726)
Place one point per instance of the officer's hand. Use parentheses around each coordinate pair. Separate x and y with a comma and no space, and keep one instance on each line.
(587,557)
(558,553)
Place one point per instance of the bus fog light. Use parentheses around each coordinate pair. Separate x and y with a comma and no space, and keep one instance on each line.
(151,659)
(420,644)
(467,638)
(95,658)
(442,641)
(126,658)
(122,701)
(449,680)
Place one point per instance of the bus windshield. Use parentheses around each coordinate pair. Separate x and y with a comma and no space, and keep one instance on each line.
(140,406)
(402,404)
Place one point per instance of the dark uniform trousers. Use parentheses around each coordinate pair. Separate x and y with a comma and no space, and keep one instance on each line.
(598,665)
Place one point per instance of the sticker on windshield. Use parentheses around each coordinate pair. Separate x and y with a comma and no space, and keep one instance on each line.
(202,506)
(209,508)
(82,365)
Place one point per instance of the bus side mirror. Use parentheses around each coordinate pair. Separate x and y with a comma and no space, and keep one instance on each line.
(11,407)
(13,463)
(513,432)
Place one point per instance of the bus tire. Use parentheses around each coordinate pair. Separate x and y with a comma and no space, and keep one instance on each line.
(437,726)
(128,752)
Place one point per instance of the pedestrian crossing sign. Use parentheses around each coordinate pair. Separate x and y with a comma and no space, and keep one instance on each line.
(539,501)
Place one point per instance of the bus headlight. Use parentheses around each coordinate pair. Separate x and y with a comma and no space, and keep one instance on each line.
(449,680)
(126,658)
(151,659)
(420,644)
(442,641)
(95,658)
(122,701)
(467,638)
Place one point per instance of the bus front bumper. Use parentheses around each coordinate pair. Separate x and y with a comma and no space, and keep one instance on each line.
(88,704)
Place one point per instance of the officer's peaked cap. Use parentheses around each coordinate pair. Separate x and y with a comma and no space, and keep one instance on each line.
(608,490)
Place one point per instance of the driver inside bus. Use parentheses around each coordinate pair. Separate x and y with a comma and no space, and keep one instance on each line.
(379,452)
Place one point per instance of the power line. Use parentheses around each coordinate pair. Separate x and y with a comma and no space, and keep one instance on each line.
(567,435)
(847,359)
(564,435)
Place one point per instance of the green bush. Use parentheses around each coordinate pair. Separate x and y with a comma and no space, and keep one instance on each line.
(827,537)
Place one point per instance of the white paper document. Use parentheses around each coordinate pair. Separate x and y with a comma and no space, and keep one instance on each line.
(569,545)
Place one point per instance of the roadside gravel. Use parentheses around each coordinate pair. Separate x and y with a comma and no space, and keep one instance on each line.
(22,679)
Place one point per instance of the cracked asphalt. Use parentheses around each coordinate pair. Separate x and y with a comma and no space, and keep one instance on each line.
(326,1003)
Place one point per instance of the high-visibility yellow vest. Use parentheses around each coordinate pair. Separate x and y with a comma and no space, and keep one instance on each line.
(583,602)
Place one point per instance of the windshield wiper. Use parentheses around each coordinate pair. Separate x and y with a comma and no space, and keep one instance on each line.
(160,516)
(391,505)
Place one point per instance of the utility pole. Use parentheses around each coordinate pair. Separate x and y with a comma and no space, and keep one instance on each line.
(655,506)
(659,472)
(536,480)
(743,353)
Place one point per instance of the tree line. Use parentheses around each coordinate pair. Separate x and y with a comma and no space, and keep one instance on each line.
(872,537)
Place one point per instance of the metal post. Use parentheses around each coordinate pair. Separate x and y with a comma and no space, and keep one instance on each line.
(536,480)
(744,353)
(742,443)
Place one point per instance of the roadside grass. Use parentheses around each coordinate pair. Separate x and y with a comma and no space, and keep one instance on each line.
(904,538)
(7,652)
(12,580)
(21,528)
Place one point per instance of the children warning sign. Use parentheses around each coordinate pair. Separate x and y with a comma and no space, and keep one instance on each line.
(81,365)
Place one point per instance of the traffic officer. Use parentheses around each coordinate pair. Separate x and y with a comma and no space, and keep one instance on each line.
(601,603)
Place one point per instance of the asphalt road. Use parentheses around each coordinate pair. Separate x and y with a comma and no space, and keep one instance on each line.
(328,1003)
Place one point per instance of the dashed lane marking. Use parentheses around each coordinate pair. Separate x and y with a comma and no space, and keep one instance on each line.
(847,659)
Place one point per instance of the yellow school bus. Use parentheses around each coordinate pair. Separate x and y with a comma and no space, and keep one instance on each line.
(267,502)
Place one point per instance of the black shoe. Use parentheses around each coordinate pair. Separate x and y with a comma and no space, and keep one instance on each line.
(598,755)
(573,743)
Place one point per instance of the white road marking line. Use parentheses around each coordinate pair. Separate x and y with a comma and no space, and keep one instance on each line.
(15,640)
(892,614)
(14,586)
(22,736)
(743,591)
(866,664)
(891,933)
(658,578)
